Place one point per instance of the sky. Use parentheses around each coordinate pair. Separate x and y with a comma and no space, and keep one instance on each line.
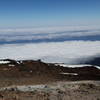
(66,31)
(38,13)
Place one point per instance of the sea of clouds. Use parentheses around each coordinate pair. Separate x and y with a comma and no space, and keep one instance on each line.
(71,52)
(48,34)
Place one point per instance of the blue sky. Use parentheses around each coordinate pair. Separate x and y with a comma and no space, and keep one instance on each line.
(29,13)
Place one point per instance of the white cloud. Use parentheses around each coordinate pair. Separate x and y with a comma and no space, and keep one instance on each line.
(67,52)
(50,29)
(48,33)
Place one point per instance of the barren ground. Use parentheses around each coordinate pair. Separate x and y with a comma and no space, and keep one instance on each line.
(35,80)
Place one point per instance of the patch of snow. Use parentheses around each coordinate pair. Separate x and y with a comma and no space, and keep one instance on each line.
(72,66)
(97,67)
(69,74)
(11,65)
(4,62)
(81,65)
(18,62)
(77,66)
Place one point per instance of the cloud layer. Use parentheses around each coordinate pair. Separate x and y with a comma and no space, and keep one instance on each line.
(70,52)
(49,34)
(55,44)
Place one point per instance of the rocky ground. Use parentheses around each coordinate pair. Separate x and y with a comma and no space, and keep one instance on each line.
(81,90)
(36,80)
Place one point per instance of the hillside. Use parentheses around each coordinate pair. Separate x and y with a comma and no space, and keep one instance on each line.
(36,80)
(38,72)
